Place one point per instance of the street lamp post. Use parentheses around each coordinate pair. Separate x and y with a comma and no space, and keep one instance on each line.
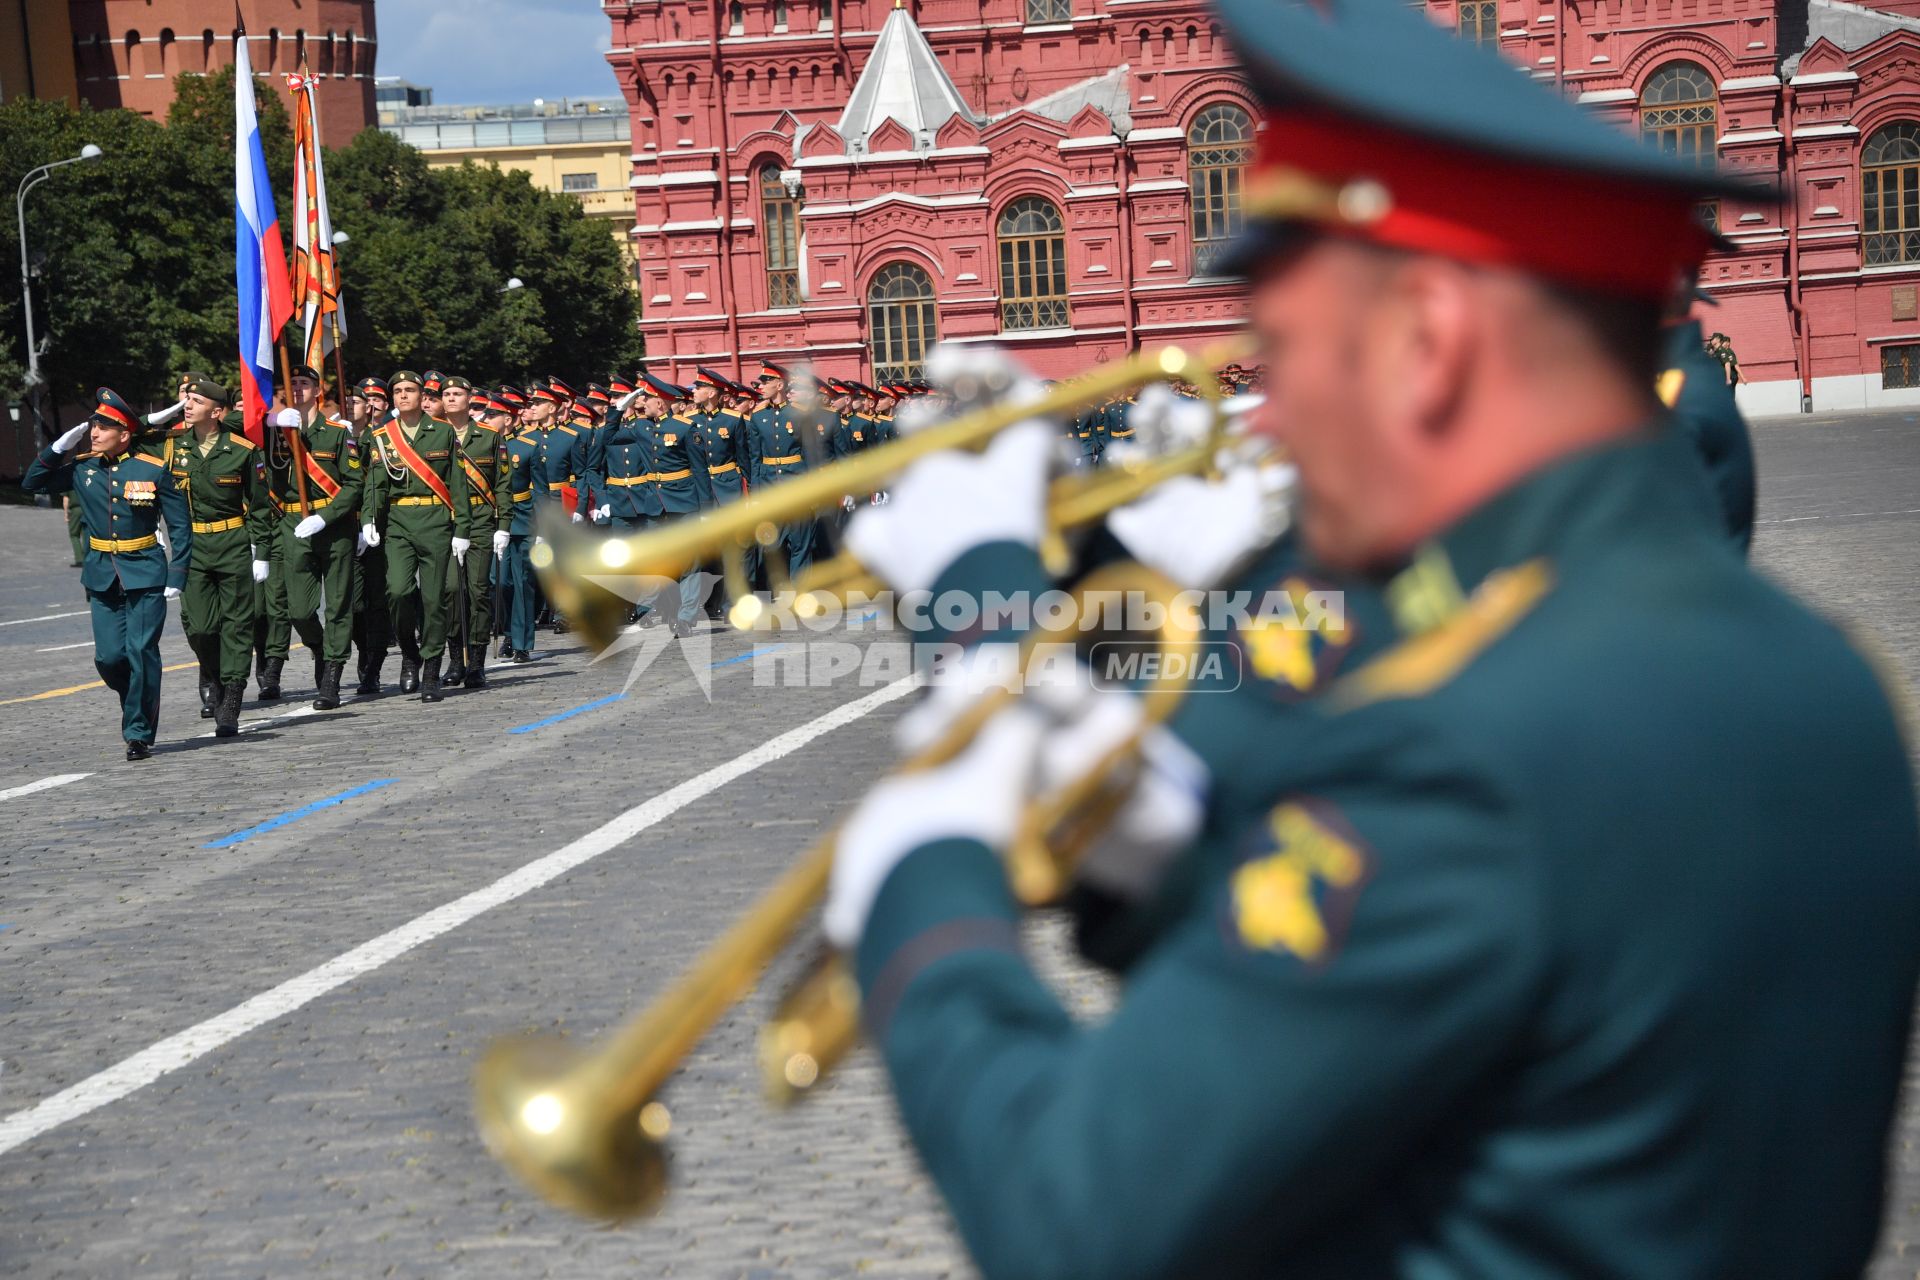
(33,179)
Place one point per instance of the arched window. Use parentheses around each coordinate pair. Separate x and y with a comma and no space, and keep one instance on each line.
(900,321)
(1039,11)
(1679,115)
(1890,194)
(1218,147)
(736,18)
(1479,21)
(779,15)
(780,221)
(1033,266)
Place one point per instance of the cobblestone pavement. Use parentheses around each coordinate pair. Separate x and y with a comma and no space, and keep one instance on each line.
(335,1138)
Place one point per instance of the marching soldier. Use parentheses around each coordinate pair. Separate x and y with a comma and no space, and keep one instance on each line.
(128,578)
(524,482)
(372,625)
(676,480)
(417,484)
(563,458)
(481,450)
(715,441)
(1693,388)
(220,472)
(316,550)
(775,451)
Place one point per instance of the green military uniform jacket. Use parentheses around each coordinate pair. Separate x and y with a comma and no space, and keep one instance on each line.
(391,483)
(226,489)
(333,455)
(122,502)
(483,456)
(773,448)
(1593,897)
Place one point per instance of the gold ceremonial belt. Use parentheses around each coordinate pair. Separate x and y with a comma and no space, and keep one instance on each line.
(682,474)
(524,496)
(725,468)
(787,461)
(473,501)
(218,526)
(119,546)
(627,482)
(428,501)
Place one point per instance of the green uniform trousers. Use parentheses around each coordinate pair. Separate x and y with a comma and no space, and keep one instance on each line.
(372,627)
(77,531)
(216,610)
(126,653)
(319,571)
(272,623)
(479,578)
(419,545)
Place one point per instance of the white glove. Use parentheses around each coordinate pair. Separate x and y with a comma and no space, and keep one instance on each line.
(460,548)
(603,514)
(162,417)
(71,440)
(260,570)
(954,686)
(949,503)
(577,517)
(308,527)
(287,418)
(171,593)
(978,795)
(500,537)
(369,536)
(1196,531)
(539,542)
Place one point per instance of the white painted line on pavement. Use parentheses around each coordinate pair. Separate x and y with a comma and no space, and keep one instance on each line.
(45,784)
(176,1051)
(264,722)
(1841,515)
(21,622)
(62,648)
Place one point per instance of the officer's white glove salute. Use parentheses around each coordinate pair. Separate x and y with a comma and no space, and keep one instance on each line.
(500,542)
(308,527)
(70,441)
(161,417)
(460,548)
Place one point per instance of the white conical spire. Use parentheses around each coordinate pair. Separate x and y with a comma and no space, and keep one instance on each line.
(903,81)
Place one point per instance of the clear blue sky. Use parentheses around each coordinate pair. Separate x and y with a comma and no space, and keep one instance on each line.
(474,51)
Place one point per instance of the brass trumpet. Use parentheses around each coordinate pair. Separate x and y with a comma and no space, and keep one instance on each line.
(579,570)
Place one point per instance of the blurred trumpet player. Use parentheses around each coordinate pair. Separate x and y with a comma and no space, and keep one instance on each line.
(1474,936)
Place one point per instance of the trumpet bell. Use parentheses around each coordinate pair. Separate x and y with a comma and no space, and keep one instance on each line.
(600,584)
(541,1116)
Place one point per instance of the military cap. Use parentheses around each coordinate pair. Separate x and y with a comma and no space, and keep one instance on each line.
(621,385)
(110,407)
(770,370)
(406,375)
(480,401)
(662,388)
(455,380)
(306,371)
(208,389)
(194,375)
(497,408)
(1372,116)
(434,382)
(372,386)
(598,394)
(582,413)
(545,394)
(512,397)
(562,390)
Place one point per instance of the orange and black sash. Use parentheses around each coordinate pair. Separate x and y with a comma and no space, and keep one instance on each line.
(396,437)
(317,474)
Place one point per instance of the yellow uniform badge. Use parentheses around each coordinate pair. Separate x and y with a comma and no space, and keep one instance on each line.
(1298,898)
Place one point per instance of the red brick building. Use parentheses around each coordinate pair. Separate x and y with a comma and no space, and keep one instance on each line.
(851,180)
(128,52)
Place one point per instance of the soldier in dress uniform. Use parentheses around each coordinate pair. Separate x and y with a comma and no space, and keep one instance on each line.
(226,488)
(415,481)
(127,575)
(481,450)
(523,485)
(372,625)
(316,549)
(775,450)
(1447,965)
(1694,388)
(678,479)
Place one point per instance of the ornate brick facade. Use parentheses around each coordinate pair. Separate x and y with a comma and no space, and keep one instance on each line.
(128,52)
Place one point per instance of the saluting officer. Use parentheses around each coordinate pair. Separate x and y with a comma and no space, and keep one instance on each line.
(372,625)
(128,579)
(226,488)
(480,452)
(316,550)
(1449,1006)
(775,451)
(523,485)
(416,482)
(678,477)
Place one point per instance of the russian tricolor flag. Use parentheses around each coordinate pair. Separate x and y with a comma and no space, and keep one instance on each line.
(260,261)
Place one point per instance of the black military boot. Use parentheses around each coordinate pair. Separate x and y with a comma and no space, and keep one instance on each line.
(329,687)
(226,715)
(456,663)
(409,673)
(430,681)
(370,675)
(270,679)
(209,694)
(476,666)
(521,656)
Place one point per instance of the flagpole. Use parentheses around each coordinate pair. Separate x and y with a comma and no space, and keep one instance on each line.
(298,441)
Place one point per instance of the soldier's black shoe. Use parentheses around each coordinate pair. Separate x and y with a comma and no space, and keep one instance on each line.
(521,656)
(456,672)
(329,687)
(649,620)
(270,679)
(560,625)
(476,666)
(409,674)
(137,750)
(681,630)
(430,681)
(209,694)
(506,647)
(226,716)
(370,677)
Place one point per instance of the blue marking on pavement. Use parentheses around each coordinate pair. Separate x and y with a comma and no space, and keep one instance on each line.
(567,715)
(868,616)
(748,656)
(281,821)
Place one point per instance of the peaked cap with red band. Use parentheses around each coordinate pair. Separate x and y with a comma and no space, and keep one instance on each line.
(546,394)
(705,377)
(622,385)
(110,407)
(1381,127)
(561,389)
